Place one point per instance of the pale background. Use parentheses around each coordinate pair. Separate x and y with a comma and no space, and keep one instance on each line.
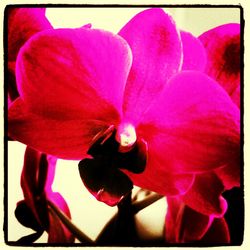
(88,214)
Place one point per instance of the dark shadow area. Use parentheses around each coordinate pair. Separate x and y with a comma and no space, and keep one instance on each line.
(235,214)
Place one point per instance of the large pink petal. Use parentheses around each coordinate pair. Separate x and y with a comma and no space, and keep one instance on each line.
(194,126)
(22,24)
(157,52)
(184,224)
(158,179)
(223,51)
(69,139)
(194,54)
(218,233)
(205,195)
(73,73)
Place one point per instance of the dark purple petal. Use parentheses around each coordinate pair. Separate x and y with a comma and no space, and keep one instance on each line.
(26,217)
(107,184)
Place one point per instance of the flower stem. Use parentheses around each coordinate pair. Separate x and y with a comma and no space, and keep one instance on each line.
(136,207)
(150,199)
(71,227)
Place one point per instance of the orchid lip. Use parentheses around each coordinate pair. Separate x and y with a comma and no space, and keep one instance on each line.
(129,153)
(107,184)
(102,174)
(106,197)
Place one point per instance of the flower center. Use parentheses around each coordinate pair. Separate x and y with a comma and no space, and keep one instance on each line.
(126,136)
(113,150)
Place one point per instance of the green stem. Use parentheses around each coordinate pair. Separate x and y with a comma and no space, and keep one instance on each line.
(71,227)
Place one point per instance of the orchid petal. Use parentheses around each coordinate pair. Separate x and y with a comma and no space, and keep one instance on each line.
(205,195)
(156,47)
(194,54)
(194,126)
(106,183)
(184,224)
(218,233)
(229,175)
(223,50)
(156,178)
(73,73)
(68,139)
(22,24)
(58,232)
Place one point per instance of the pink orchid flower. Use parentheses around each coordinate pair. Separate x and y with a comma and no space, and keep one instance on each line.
(87,92)
(183,224)
(39,169)
(36,181)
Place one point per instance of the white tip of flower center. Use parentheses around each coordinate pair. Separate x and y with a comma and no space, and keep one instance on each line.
(126,135)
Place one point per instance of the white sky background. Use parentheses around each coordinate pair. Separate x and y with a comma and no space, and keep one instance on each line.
(88,214)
